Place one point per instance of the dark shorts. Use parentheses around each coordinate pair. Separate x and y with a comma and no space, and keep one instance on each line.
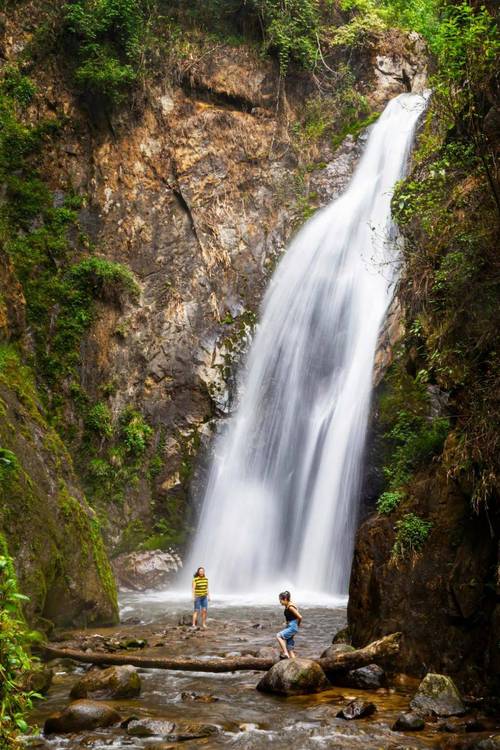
(200,602)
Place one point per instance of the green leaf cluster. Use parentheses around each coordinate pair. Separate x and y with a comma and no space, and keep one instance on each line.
(411,534)
(15,660)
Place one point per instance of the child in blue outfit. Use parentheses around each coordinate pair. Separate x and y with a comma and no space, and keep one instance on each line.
(286,637)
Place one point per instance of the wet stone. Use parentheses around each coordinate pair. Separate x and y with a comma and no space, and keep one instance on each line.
(294,677)
(490,743)
(437,695)
(408,723)
(81,715)
(370,677)
(114,682)
(357,709)
(199,697)
(173,732)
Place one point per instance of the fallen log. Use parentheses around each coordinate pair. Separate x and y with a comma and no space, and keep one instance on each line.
(376,651)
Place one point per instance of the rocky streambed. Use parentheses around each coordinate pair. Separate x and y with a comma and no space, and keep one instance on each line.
(203,710)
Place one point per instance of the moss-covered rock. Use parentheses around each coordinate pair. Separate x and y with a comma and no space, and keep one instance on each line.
(51,531)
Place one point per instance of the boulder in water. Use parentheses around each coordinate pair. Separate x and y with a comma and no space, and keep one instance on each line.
(114,682)
(490,743)
(139,571)
(174,732)
(370,677)
(336,648)
(294,677)
(437,695)
(357,709)
(80,716)
(408,722)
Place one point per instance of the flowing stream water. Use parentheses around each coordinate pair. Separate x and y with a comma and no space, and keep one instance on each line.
(280,506)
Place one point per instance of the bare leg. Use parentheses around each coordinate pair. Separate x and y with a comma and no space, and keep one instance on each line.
(291,654)
(203,618)
(195,618)
(282,644)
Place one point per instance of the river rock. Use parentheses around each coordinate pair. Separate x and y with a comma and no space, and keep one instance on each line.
(370,677)
(80,716)
(490,743)
(356,709)
(336,648)
(342,636)
(174,732)
(408,722)
(437,695)
(39,680)
(114,682)
(139,571)
(199,697)
(294,677)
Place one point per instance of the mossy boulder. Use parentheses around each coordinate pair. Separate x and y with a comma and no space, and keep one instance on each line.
(294,677)
(114,682)
(437,695)
(51,532)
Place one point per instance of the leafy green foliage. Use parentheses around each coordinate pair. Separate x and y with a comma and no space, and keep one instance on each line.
(411,535)
(107,37)
(18,86)
(135,432)
(448,209)
(15,700)
(290,28)
(389,501)
(99,420)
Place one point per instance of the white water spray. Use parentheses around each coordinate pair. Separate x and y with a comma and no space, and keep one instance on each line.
(281,501)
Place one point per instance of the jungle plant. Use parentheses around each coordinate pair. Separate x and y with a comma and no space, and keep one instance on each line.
(411,535)
(15,700)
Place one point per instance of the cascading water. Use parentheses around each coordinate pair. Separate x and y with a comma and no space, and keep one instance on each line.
(281,501)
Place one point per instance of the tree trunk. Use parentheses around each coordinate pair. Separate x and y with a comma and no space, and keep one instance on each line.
(382,649)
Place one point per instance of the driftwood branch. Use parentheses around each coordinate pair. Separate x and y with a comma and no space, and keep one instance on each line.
(376,651)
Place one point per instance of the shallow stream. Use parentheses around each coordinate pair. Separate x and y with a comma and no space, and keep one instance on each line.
(244,717)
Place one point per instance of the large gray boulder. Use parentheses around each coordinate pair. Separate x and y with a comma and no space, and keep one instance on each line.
(80,716)
(294,677)
(437,695)
(114,682)
(152,569)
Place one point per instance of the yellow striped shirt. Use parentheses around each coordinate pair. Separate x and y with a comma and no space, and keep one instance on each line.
(200,585)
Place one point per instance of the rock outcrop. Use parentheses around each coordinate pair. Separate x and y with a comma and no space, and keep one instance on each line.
(114,682)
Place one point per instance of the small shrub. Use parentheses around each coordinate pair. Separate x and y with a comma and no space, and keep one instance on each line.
(18,86)
(103,279)
(99,420)
(411,534)
(389,501)
(135,432)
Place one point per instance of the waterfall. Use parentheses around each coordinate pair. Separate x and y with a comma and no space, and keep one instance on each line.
(282,495)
